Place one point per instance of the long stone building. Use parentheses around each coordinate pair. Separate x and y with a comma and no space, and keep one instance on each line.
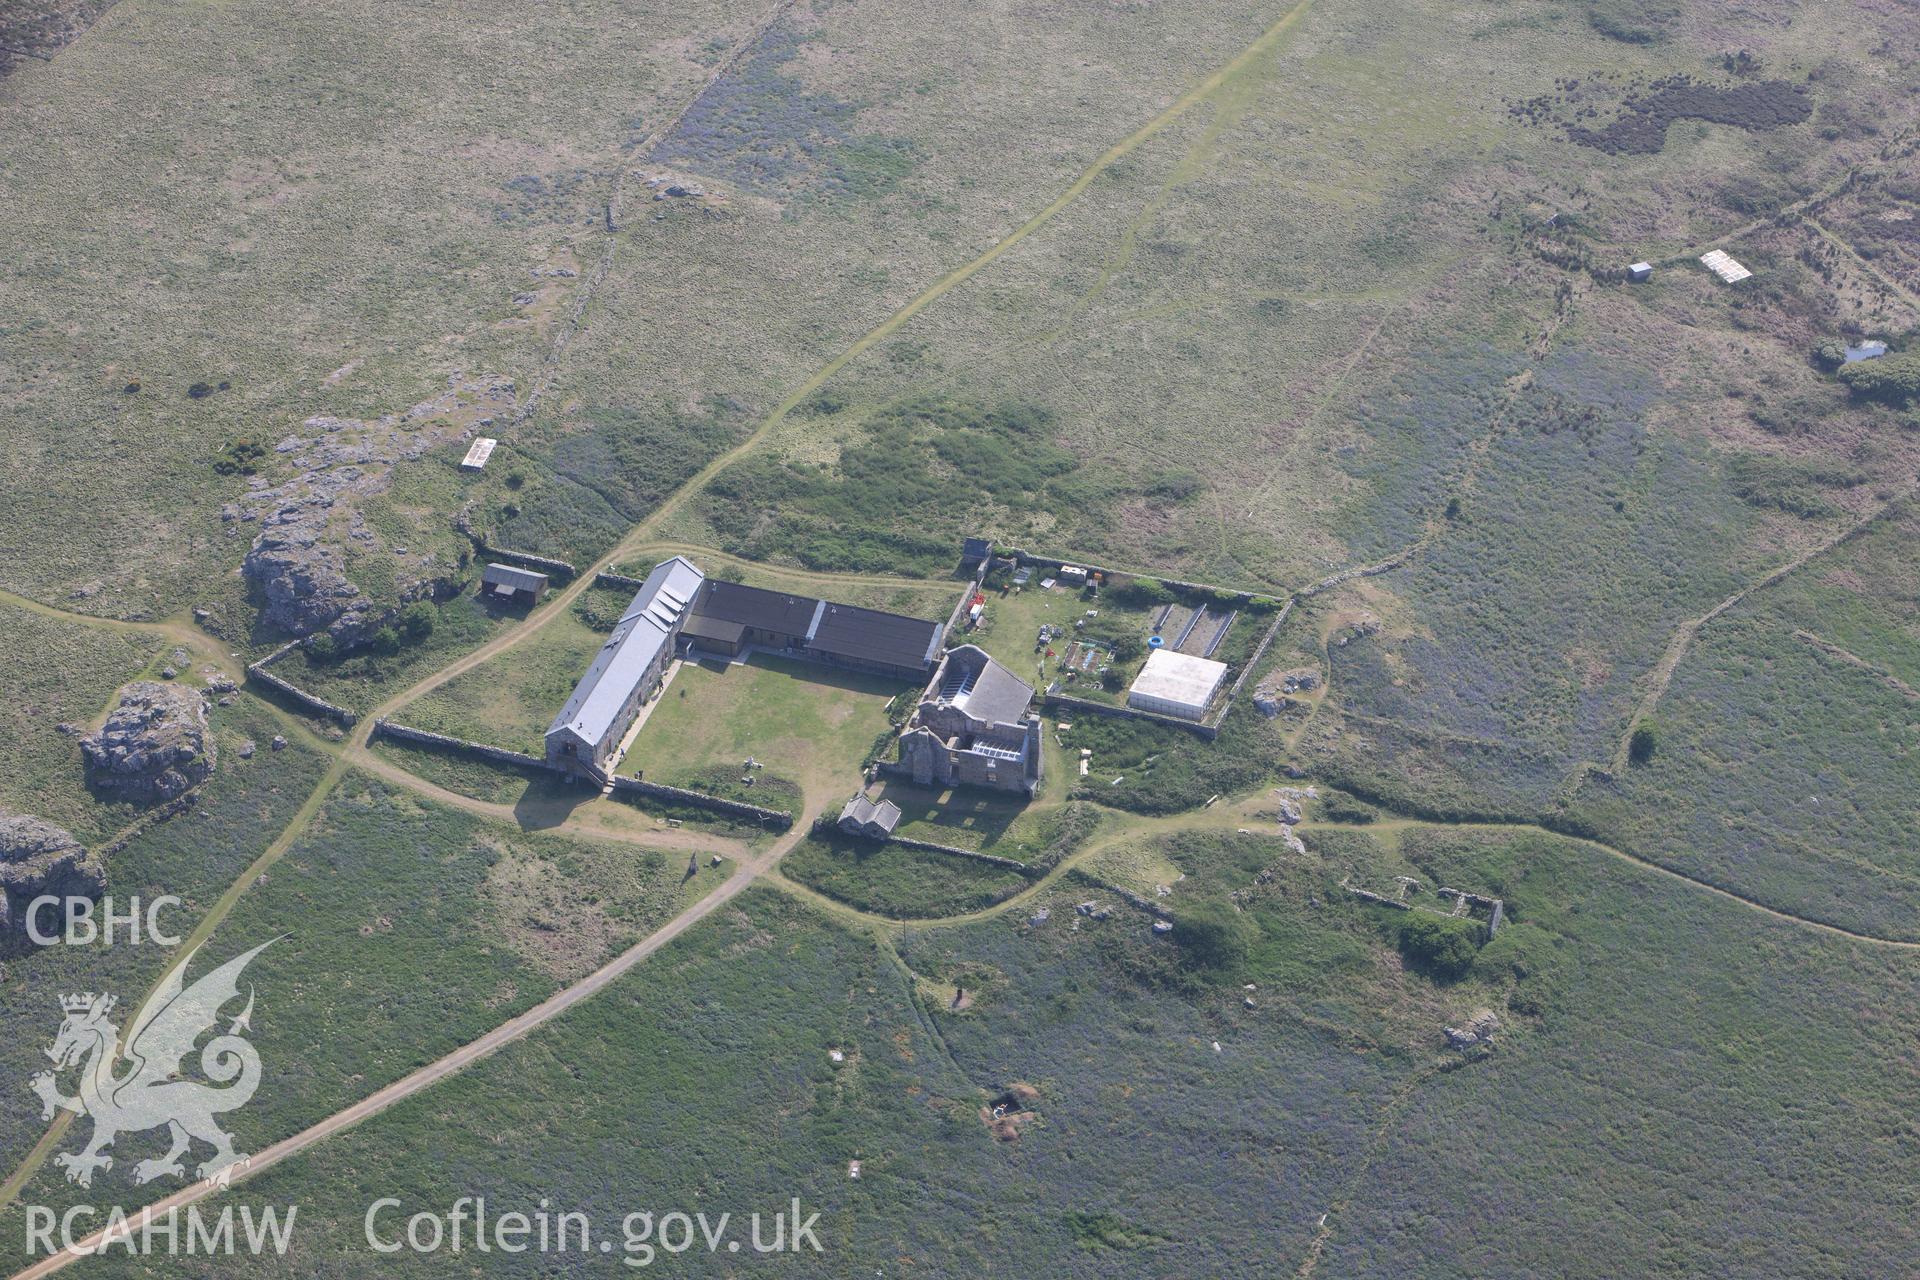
(728,618)
(626,671)
(972,727)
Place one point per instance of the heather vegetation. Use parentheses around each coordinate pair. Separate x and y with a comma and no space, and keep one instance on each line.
(1600,604)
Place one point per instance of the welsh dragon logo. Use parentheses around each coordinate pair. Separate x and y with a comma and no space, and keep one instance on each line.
(136,1089)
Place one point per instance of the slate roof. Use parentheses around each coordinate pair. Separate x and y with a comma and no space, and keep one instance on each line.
(885,815)
(643,631)
(756,607)
(868,635)
(990,693)
(513,577)
(700,627)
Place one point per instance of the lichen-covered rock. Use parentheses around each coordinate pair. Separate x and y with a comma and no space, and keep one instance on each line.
(298,561)
(39,858)
(154,746)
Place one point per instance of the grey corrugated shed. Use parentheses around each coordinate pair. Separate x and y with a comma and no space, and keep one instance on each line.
(642,632)
(507,575)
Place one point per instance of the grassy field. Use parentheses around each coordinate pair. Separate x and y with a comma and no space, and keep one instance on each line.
(402,930)
(1238,294)
(61,673)
(894,880)
(510,699)
(361,678)
(916,599)
(1686,1049)
(195,856)
(1151,1129)
(808,725)
(1783,765)
(345,241)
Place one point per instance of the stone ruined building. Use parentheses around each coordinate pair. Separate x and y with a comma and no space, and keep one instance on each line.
(972,728)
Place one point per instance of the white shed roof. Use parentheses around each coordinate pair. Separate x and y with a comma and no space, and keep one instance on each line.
(1179,678)
(1724,265)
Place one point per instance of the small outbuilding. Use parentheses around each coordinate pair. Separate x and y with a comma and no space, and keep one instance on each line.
(974,552)
(862,817)
(1176,684)
(1871,349)
(1073,575)
(510,584)
(1640,272)
(477,454)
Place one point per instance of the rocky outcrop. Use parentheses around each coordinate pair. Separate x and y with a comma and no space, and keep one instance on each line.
(154,746)
(39,858)
(1479,1030)
(298,561)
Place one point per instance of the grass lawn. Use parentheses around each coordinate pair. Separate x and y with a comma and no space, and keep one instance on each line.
(512,698)
(968,816)
(1013,620)
(811,724)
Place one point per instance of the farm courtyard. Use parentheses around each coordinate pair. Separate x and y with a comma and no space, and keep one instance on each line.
(1519,404)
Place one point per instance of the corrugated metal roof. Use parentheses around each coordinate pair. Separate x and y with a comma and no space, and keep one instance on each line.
(642,632)
(513,576)
(1178,677)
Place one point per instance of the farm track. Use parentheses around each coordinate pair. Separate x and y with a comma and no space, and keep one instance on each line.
(356,744)
(1880,277)
(1852,659)
(616,192)
(823,577)
(1238,812)
(677,840)
(474,1051)
(1683,637)
(354,752)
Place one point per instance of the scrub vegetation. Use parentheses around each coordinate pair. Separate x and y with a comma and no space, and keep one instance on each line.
(1607,591)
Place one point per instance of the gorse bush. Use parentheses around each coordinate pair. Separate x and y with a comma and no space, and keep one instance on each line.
(1892,379)
(1442,949)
